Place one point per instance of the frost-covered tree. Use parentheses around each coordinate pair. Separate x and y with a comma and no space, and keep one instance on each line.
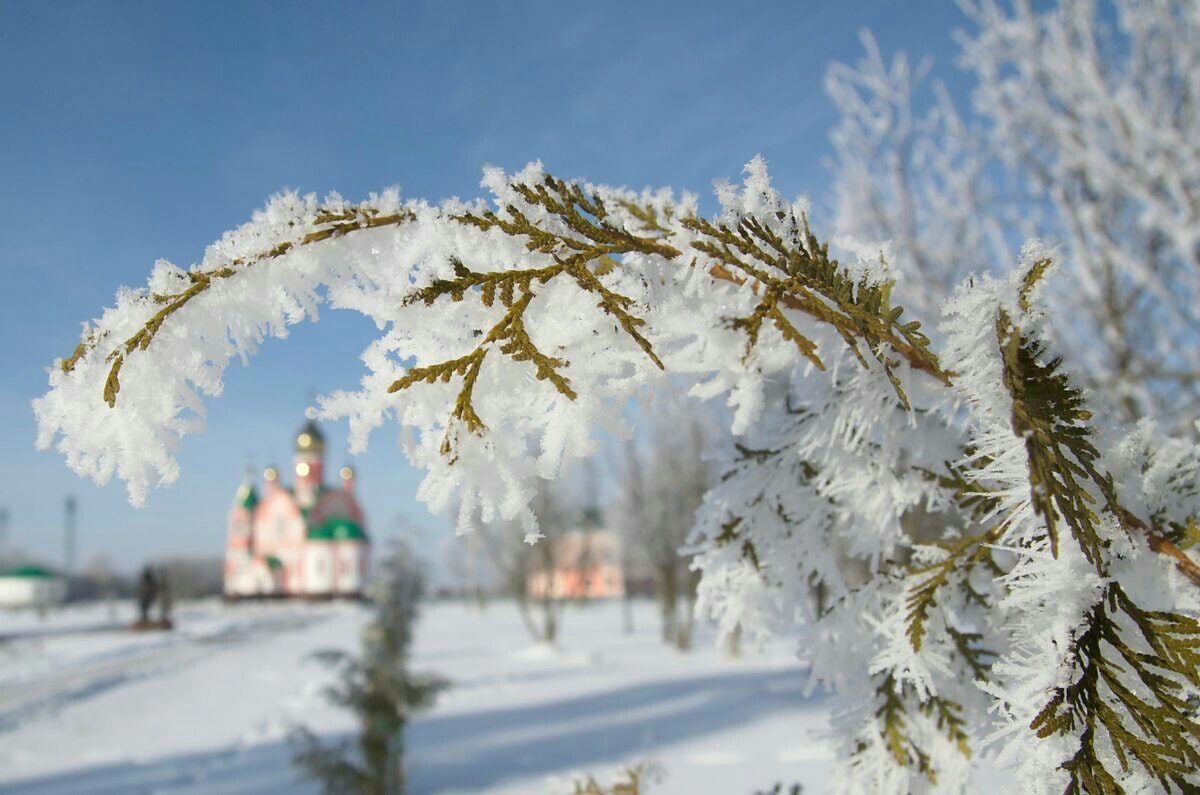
(661,480)
(910,174)
(1085,131)
(1054,617)
(378,687)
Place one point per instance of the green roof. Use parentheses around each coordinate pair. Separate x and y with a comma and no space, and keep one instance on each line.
(247,496)
(274,562)
(337,530)
(29,571)
(321,490)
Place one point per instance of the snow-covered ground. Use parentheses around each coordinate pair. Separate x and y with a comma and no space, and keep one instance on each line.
(87,707)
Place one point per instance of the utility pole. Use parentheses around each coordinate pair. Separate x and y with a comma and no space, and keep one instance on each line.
(69,537)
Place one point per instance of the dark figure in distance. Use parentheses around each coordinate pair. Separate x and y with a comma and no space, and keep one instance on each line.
(164,599)
(147,591)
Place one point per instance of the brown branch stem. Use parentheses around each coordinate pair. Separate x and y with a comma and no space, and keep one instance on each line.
(340,223)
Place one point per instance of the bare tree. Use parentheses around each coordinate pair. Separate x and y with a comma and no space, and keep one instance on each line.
(661,481)
(526,567)
(1087,125)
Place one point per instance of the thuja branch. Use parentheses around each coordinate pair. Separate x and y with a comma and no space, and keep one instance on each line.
(798,273)
(961,557)
(1118,669)
(576,235)
(585,235)
(586,240)
(1161,544)
(1049,414)
(331,224)
(1164,739)
(514,341)
(893,714)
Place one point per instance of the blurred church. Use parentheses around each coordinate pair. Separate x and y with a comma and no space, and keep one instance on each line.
(305,540)
(585,564)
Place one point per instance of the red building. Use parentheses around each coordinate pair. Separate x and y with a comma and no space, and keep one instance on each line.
(587,565)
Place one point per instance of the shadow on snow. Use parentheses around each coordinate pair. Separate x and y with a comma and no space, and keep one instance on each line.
(475,750)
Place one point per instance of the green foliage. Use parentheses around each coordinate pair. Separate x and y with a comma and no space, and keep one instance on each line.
(1189,533)
(972,498)
(731,530)
(512,339)
(975,656)
(729,534)
(1138,667)
(1132,666)
(588,236)
(378,688)
(768,309)
(506,282)
(329,224)
(1049,414)
(583,240)
(961,556)
(797,272)
(895,705)
(947,716)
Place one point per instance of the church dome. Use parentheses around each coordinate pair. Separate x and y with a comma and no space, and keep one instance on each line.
(247,496)
(310,439)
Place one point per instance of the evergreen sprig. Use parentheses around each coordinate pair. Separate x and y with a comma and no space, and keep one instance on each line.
(512,339)
(329,224)
(947,716)
(507,283)
(582,239)
(378,688)
(962,556)
(768,309)
(729,535)
(977,658)
(1187,533)
(1135,669)
(968,495)
(797,272)
(896,702)
(1049,413)
(1132,698)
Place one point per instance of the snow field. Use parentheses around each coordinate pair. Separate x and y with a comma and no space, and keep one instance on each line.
(207,709)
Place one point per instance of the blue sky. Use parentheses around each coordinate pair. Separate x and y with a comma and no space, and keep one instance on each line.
(134,131)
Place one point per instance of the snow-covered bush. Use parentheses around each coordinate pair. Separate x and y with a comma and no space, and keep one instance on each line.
(999,568)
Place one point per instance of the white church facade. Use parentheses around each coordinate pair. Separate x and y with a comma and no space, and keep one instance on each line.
(304,540)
